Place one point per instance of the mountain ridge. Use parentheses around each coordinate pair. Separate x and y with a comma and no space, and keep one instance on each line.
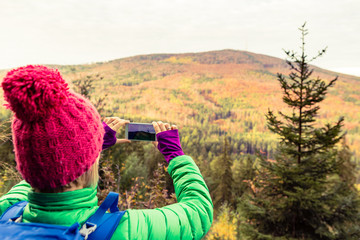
(166,55)
(226,89)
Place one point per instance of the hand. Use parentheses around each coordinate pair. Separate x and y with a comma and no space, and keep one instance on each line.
(162,127)
(115,123)
(168,140)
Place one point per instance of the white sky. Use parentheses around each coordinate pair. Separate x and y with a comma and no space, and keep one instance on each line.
(84,31)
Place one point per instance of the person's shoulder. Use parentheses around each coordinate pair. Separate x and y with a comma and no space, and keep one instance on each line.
(16,194)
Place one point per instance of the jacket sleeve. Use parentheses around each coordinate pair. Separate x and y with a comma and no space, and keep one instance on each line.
(190,218)
(16,194)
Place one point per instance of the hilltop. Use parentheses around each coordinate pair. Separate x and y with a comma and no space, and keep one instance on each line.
(228,89)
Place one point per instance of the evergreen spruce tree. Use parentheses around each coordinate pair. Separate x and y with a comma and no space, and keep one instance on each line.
(301,194)
(223,192)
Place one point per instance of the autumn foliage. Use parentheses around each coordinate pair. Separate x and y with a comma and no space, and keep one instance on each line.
(210,96)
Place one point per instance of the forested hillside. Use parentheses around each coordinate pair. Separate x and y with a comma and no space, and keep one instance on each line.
(219,101)
(210,94)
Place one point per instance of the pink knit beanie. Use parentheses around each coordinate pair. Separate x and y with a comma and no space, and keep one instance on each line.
(57,133)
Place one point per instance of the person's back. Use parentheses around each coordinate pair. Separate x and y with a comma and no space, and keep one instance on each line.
(58,136)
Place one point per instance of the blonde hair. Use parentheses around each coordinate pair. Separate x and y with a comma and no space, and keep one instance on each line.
(88,179)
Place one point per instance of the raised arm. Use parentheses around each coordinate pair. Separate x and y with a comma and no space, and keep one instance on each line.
(191,217)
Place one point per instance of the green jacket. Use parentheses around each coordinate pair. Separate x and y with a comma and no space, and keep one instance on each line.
(190,218)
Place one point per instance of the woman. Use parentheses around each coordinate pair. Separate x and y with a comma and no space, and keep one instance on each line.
(58,137)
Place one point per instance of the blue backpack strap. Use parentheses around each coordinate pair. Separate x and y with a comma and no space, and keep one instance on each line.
(110,202)
(101,225)
(14,212)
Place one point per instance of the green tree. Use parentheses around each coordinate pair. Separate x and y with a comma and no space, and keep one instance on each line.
(348,195)
(224,180)
(300,194)
(243,174)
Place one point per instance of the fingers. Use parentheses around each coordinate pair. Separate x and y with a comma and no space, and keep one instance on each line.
(162,127)
(115,123)
(156,127)
(167,126)
(159,127)
(108,120)
(119,123)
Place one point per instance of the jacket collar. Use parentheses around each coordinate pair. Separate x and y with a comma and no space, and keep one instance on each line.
(83,198)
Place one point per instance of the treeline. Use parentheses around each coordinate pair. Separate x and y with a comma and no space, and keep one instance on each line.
(298,182)
(194,94)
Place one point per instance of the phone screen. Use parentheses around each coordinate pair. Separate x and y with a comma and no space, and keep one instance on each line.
(140,132)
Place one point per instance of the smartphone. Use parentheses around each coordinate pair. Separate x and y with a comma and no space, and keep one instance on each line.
(140,132)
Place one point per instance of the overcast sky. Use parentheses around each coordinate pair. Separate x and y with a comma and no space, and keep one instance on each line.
(85,31)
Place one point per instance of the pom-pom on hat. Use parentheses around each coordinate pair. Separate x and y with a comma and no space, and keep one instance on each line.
(57,133)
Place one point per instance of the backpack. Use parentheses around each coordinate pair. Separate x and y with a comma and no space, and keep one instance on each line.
(98,226)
